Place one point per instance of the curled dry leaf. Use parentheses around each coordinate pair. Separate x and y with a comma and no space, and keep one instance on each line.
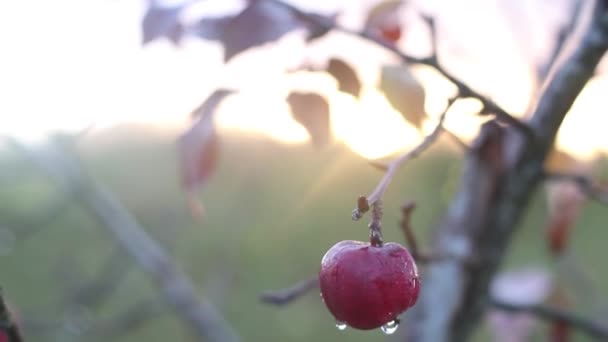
(259,23)
(403,92)
(345,75)
(311,110)
(160,21)
(199,149)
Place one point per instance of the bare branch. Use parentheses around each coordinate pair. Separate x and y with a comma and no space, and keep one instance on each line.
(396,164)
(586,185)
(569,80)
(421,256)
(176,288)
(589,327)
(501,172)
(490,107)
(406,227)
(7,322)
(286,296)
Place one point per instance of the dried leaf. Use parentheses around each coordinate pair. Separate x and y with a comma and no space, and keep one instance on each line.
(383,20)
(161,22)
(311,110)
(199,149)
(259,23)
(346,76)
(403,92)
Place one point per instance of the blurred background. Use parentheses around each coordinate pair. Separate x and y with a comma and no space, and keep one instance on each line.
(76,74)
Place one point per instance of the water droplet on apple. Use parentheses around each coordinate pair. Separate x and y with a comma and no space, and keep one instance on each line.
(340,325)
(390,327)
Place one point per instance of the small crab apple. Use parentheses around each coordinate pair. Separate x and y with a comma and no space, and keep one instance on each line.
(366,286)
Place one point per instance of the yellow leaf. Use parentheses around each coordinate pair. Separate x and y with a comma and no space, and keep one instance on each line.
(403,92)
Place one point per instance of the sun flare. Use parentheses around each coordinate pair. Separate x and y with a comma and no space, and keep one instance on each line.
(107,79)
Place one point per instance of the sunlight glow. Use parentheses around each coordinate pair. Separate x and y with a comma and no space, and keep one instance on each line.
(371,127)
(583,132)
(67,79)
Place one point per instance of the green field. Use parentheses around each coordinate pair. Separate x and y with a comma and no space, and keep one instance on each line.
(272,212)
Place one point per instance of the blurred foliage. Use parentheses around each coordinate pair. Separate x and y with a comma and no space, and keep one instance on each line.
(272,212)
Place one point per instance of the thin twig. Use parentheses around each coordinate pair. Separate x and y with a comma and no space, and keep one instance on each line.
(287,295)
(396,164)
(432,61)
(8,323)
(375,225)
(406,228)
(585,184)
(421,256)
(587,326)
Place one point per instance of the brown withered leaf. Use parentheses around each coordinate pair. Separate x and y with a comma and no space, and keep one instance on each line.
(346,76)
(403,92)
(199,149)
(259,23)
(161,22)
(311,110)
(383,18)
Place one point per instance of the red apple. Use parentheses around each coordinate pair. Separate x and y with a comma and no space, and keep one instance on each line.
(366,286)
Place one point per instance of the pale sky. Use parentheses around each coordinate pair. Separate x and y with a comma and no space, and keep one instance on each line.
(68,64)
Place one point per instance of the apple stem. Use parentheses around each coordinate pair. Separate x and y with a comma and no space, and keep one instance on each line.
(375,225)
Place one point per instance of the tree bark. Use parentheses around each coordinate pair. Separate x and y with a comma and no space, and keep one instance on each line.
(501,172)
